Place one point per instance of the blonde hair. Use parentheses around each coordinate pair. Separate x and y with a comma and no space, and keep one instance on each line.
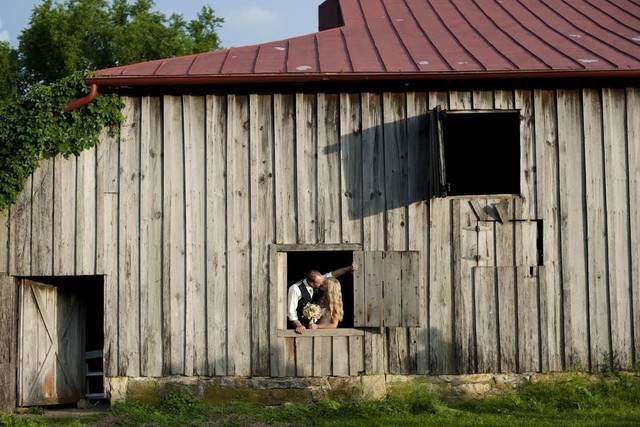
(332,299)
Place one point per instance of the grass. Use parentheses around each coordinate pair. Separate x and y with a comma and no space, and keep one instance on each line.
(576,401)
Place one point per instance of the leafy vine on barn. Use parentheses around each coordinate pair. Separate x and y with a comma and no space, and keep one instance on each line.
(37,127)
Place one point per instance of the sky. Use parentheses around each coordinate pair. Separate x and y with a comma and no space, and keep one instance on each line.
(246,21)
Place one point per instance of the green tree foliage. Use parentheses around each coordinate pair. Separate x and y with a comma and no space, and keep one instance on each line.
(8,73)
(75,35)
(36,126)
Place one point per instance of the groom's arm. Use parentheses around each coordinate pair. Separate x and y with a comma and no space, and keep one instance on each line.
(342,271)
(294,297)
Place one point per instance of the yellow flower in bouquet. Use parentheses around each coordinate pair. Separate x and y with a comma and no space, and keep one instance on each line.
(313,312)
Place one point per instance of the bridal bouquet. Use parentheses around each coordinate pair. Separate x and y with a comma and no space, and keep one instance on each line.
(313,312)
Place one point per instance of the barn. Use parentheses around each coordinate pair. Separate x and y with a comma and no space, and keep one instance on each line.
(479,160)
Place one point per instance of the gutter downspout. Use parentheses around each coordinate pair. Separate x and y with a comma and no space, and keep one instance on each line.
(85,100)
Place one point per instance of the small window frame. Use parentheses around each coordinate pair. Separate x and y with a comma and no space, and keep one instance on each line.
(278,299)
(440,183)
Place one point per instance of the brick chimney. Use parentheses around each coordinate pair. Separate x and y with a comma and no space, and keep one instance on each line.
(329,15)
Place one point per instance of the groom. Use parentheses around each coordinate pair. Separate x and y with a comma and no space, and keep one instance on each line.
(308,291)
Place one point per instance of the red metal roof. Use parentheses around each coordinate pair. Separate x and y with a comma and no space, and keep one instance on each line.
(423,39)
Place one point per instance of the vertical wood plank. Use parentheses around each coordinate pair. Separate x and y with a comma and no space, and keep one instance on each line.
(528,342)
(503,99)
(128,249)
(373,180)
(395,169)
(284,125)
(356,355)
(340,356)
(441,358)
(262,228)
(64,202)
(596,227)
(351,167)
(304,357)
(239,256)
(487,247)
(216,166)
(42,222)
(573,235)
(616,175)
(398,358)
(391,273)
(328,168)
(107,239)
(359,283)
(306,167)
(505,233)
(280,350)
(411,292)
(460,100)
(464,248)
(633,148)
(547,197)
(486,326)
(283,351)
(20,232)
(375,357)
(86,213)
(173,229)
(418,227)
(322,355)
(439,314)
(106,135)
(524,103)
(509,318)
(374,350)
(396,186)
(290,357)
(374,276)
(526,242)
(195,194)
(482,100)
(151,237)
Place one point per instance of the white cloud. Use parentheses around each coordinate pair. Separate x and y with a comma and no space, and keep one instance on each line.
(252,24)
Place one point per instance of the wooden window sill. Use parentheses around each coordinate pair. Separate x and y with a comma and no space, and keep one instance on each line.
(339,332)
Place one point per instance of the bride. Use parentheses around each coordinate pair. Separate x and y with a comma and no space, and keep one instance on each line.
(331,302)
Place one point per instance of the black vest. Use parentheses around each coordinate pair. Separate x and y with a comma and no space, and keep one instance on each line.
(305,299)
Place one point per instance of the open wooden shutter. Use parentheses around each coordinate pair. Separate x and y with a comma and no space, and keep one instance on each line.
(387,289)
(436,163)
(51,345)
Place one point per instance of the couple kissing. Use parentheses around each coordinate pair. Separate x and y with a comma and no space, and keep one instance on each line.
(315,302)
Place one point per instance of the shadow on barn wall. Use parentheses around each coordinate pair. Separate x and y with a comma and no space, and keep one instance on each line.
(383,167)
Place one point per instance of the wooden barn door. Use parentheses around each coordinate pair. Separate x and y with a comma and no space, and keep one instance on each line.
(51,345)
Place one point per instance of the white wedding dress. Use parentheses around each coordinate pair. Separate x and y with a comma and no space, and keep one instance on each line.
(326,317)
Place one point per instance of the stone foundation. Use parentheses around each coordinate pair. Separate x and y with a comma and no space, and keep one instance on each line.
(270,391)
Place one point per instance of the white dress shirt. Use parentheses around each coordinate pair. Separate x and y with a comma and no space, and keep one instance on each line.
(295,295)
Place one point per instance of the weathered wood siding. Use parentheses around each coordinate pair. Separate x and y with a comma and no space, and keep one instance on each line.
(179,209)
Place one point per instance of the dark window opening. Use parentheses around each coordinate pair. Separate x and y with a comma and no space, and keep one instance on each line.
(482,152)
(299,263)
